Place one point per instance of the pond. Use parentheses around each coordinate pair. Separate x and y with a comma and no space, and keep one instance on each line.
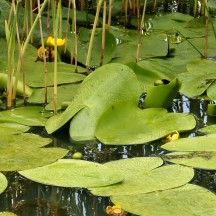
(25,197)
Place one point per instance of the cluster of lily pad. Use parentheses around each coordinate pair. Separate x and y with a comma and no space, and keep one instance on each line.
(104,106)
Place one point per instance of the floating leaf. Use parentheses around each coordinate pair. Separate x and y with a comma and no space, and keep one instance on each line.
(15,158)
(125,123)
(162,95)
(83,45)
(3,183)
(23,141)
(12,128)
(186,200)
(108,84)
(67,93)
(200,160)
(199,143)
(7,214)
(201,73)
(211,129)
(139,178)
(29,115)
(73,173)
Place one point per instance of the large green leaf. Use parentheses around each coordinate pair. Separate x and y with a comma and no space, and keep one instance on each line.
(15,158)
(83,45)
(73,173)
(162,95)
(201,73)
(199,143)
(6,213)
(12,128)
(29,115)
(199,152)
(211,129)
(200,160)
(23,141)
(125,123)
(65,93)
(108,84)
(3,183)
(35,73)
(186,200)
(141,176)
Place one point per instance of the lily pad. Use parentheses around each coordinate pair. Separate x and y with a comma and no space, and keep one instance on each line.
(141,175)
(12,128)
(125,123)
(186,200)
(211,129)
(3,183)
(7,213)
(29,115)
(201,73)
(16,158)
(199,143)
(200,160)
(73,173)
(65,93)
(23,141)
(108,84)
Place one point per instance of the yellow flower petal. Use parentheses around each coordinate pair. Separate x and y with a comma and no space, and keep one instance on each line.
(51,41)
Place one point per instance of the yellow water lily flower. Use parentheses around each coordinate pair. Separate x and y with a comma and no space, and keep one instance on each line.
(51,41)
(115,210)
(172,136)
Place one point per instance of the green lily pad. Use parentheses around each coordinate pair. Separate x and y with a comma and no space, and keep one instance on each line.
(12,128)
(108,84)
(3,183)
(29,115)
(83,45)
(16,158)
(211,129)
(35,73)
(186,200)
(199,143)
(125,123)
(23,140)
(64,93)
(201,73)
(139,178)
(200,160)
(73,173)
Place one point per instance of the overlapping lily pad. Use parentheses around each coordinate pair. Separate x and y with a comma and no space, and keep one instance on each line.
(74,173)
(108,84)
(29,115)
(3,182)
(142,175)
(199,152)
(12,128)
(186,200)
(20,152)
(125,123)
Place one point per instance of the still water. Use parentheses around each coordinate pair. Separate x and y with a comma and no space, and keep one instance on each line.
(27,198)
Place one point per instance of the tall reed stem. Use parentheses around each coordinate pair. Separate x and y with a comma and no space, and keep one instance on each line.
(206,29)
(92,35)
(142,25)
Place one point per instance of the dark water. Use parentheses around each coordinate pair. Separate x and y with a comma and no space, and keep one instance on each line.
(26,198)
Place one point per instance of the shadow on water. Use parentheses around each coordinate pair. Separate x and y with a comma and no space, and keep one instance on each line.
(26,198)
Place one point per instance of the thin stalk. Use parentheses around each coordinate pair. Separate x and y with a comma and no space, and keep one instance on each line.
(31,20)
(44,55)
(138,14)
(103,33)
(195,8)
(48,17)
(75,34)
(154,6)
(67,26)
(60,19)
(24,46)
(92,35)
(26,23)
(110,14)
(142,25)
(126,12)
(206,29)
